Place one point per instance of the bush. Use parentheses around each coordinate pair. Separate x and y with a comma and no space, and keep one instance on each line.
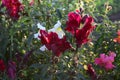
(57,40)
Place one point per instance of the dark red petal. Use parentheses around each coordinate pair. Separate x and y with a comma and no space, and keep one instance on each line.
(91,72)
(2,65)
(73,22)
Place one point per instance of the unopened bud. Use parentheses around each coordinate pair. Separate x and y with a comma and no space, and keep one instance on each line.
(109,8)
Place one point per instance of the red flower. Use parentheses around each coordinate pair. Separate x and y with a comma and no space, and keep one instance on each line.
(73,22)
(83,33)
(13,8)
(2,65)
(80,33)
(91,72)
(117,39)
(60,46)
(52,42)
(11,70)
(48,38)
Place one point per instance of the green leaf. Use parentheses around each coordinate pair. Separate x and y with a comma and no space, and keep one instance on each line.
(58,13)
(30,38)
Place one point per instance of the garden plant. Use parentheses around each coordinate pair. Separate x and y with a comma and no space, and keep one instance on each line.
(59,40)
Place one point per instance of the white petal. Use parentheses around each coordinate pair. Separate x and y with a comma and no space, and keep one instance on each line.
(36,35)
(41,27)
(57,29)
(43,48)
(51,30)
(58,24)
(60,34)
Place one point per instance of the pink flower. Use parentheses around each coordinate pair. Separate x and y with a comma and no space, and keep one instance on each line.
(54,43)
(73,22)
(106,61)
(13,8)
(11,70)
(112,54)
(2,65)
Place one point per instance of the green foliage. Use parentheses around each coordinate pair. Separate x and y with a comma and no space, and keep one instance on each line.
(17,37)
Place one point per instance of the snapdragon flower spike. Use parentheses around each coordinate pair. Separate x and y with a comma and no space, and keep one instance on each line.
(106,61)
(80,27)
(2,66)
(73,22)
(13,8)
(11,70)
(54,43)
(83,33)
(57,29)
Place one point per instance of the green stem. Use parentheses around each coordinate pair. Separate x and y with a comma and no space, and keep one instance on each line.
(11,46)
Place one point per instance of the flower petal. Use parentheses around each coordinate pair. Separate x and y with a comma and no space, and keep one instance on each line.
(41,27)
(43,48)
(58,24)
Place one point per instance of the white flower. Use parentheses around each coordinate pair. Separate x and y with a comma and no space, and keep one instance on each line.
(41,27)
(57,29)
(43,48)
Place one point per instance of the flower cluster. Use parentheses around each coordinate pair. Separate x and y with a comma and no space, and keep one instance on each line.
(118,38)
(13,8)
(106,60)
(53,39)
(54,43)
(80,27)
